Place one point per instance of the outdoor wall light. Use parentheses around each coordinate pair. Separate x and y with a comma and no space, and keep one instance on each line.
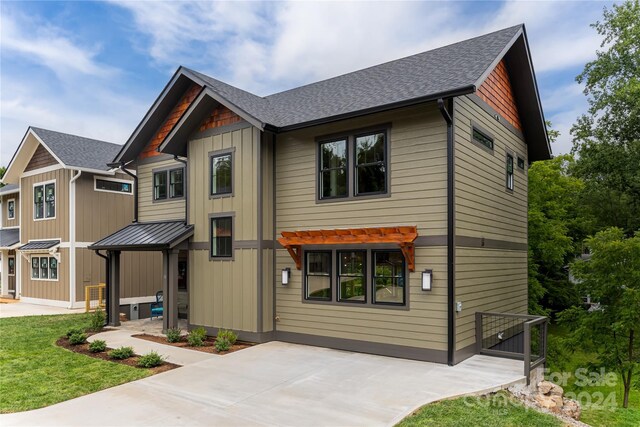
(286,273)
(426,280)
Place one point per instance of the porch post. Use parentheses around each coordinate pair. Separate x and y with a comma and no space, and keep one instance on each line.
(113,288)
(170,289)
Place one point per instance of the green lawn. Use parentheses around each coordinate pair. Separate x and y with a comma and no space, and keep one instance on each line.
(34,372)
(601,404)
(497,410)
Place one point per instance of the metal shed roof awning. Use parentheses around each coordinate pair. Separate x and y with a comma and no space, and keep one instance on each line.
(9,238)
(403,236)
(39,245)
(151,236)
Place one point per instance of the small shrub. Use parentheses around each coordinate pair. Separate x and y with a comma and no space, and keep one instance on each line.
(150,360)
(97,346)
(173,334)
(121,353)
(97,319)
(196,337)
(222,344)
(74,331)
(228,335)
(76,339)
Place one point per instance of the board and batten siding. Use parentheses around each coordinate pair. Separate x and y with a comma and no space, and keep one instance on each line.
(223,293)
(56,228)
(6,222)
(418,190)
(148,209)
(45,289)
(488,279)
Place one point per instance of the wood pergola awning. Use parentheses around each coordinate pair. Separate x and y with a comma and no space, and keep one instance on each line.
(403,236)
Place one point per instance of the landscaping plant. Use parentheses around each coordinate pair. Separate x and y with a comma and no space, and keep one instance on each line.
(121,353)
(74,331)
(97,346)
(222,344)
(97,319)
(196,337)
(77,339)
(228,335)
(150,360)
(173,334)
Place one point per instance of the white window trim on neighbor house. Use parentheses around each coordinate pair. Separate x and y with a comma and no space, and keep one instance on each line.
(55,203)
(48,256)
(95,185)
(9,216)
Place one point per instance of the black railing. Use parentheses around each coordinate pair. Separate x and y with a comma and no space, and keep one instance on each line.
(516,336)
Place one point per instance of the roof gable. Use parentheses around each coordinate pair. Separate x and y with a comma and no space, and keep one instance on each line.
(41,158)
(497,91)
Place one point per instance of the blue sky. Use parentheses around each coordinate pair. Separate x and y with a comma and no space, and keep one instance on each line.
(94,68)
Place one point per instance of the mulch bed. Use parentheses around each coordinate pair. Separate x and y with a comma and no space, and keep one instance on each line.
(132,361)
(208,346)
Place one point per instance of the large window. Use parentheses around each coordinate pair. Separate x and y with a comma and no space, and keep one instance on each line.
(318,276)
(11,209)
(350,280)
(44,200)
(221,237)
(353,165)
(168,184)
(221,168)
(44,268)
(509,172)
(11,260)
(333,169)
(114,186)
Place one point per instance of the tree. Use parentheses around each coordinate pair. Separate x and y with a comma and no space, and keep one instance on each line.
(2,171)
(611,277)
(607,138)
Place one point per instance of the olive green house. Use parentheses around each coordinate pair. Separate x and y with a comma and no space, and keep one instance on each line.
(377,211)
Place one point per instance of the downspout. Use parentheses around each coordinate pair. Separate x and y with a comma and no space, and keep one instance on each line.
(107,282)
(447,115)
(72,238)
(186,187)
(135,190)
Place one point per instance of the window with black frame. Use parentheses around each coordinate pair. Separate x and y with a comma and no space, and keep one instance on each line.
(318,276)
(11,209)
(370,164)
(160,185)
(221,175)
(351,276)
(176,183)
(12,265)
(333,169)
(509,172)
(221,237)
(388,277)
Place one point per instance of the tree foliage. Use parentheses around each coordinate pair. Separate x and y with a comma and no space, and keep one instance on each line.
(612,278)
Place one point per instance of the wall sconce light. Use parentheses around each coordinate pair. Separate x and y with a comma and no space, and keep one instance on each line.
(426,280)
(286,273)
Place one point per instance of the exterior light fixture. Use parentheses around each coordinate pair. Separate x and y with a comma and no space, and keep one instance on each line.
(286,273)
(426,280)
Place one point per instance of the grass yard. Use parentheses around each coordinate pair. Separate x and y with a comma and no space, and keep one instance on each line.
(497,410)
(34,372)
(601,404)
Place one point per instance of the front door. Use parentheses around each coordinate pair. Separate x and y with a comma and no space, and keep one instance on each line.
(183,291)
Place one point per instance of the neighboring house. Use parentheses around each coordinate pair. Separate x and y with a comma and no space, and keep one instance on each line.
(9,238)
(376,211)
(66,197)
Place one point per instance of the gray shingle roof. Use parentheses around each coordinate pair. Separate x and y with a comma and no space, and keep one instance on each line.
(77,151)
(426,74)
(39,244)
(146,236)
(9,188)
(9,237)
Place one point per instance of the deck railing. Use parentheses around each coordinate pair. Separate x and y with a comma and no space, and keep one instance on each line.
(516,336)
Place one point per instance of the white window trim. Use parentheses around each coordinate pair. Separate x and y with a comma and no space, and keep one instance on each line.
(95,183)
(14,265)
(48,256)
(14,209)
(43,183)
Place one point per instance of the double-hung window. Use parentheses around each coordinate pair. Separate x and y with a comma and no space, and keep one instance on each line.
(353,165)
(168,184)
(44,200)
(509,172)
(318,276)
(44,268)
(351,276)
(388,277)
(11,209)
(221,174)
(221,237)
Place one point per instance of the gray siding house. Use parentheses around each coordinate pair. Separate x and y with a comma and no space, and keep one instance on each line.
(377,211)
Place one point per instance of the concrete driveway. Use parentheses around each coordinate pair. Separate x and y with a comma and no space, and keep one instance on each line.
(19,309)
(279,384)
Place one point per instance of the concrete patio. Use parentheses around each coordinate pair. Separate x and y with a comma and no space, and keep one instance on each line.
(279,384)
(20,309)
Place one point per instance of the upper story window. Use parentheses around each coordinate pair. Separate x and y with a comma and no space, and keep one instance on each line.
(482,138)
(221,174)
(520,162)
(44,200)
(114,186)
(221,237)
(353,165)
(168,184)
(509,172)
(11,209)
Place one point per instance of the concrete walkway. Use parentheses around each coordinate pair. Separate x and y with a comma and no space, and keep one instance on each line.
(20,309)
(279,384)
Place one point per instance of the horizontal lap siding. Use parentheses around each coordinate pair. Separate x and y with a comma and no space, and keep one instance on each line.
(418,197)
(158,211)
(43,289)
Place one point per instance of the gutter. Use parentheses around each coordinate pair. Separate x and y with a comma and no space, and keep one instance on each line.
(121,166)
(185,180)
(447,112)
(72,238)
(107,281)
